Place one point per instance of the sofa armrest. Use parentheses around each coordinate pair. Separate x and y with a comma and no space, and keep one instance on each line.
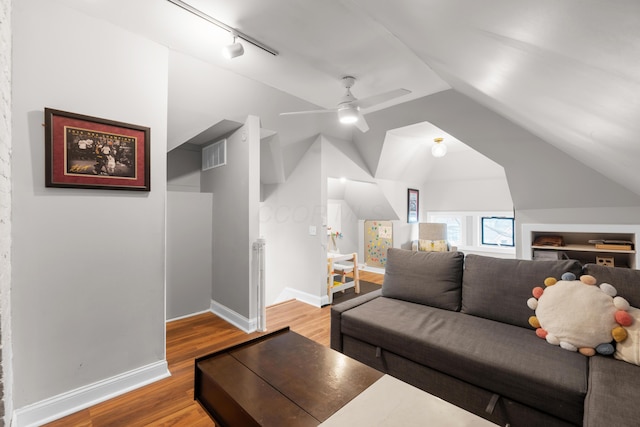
(613,389)
(336,315)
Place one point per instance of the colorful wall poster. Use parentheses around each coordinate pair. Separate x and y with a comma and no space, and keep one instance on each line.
(378,237)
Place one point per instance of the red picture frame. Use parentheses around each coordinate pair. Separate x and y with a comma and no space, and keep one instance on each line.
(90,152)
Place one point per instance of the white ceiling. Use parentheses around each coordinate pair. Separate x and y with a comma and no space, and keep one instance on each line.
(567,71)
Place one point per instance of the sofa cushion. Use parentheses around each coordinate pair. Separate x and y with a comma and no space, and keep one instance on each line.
(498,289)
(625,280)
(430,278)
(612,399)
(505,359)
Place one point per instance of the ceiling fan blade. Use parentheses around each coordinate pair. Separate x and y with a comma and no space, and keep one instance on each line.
(361,124)
(379,99)
(310,112)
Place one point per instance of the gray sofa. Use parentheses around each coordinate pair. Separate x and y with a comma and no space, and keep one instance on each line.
(458,328)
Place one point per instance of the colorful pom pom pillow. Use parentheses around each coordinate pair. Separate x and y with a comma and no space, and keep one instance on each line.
(629,349)
(579,316)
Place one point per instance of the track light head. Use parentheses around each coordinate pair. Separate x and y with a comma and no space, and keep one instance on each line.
(233,50)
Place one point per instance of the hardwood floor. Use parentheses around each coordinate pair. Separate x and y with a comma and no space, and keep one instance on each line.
(169,402)
(370,277)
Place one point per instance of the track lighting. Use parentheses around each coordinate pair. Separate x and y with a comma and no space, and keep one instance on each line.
(233,50)
(439,149)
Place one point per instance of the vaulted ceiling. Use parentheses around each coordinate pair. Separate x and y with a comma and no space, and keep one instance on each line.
(567,72)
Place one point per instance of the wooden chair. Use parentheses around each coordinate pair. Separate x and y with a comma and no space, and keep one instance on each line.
(342,270)
(334,267)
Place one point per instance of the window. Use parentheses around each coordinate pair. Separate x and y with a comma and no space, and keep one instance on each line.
(497,231)
(456,231)
(480,232)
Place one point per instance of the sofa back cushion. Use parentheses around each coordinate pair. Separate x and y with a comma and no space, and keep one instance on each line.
(625,280)
(430,278)
(498,289)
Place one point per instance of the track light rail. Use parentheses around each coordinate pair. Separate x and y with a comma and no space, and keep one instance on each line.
(224,26)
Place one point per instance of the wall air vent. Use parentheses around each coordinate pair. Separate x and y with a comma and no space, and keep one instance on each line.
(214,155)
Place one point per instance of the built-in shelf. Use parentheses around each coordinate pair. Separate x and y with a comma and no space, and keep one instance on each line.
(576,238)
(582,248)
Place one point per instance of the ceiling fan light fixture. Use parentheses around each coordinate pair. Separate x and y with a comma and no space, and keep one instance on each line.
(352,110)
(233,50)
(439,149)
(348,114)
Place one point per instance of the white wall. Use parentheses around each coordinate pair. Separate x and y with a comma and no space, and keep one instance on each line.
(88,265)
(348,227)
(295,259)
(5,211)
(235,224)
(183,168)
(468,195)
(189,253)
(466,181)
(603,215)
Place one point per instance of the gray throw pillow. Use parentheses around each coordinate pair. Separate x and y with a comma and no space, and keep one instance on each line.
(429,278)
(625,280)
(498,289)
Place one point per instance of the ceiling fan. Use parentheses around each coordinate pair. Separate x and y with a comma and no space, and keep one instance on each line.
(350,108)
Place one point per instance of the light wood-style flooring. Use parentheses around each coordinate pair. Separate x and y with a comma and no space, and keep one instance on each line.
(169,402)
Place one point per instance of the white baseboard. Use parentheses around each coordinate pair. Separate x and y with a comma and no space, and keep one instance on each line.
(365,267)
(186,316)
(67,403)
(290,293)
(237,320)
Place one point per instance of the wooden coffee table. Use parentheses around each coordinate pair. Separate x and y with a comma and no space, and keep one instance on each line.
(280,379)
(284,379)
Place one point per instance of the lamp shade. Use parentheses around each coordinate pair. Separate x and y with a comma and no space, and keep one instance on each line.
(233,50)
(348,114)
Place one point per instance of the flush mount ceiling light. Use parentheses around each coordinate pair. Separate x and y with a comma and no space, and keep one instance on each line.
(439,149)
(235,49)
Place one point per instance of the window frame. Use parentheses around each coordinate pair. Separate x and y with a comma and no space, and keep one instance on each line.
(482,231)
